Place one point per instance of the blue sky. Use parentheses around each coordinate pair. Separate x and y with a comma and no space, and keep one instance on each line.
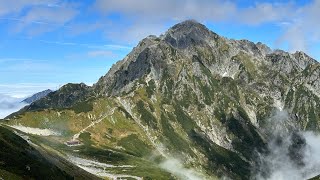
(47,43)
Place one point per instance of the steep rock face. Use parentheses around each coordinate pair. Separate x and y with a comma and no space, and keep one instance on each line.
(132,67)
(189,49)
(202,97)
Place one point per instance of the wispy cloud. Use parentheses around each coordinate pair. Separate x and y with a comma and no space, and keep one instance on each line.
(86,27)
(37,16)
(153,16)
(10,7)
(303,32)
(101,53)
(167,9)
(93,46)
(264,13)
(176,167)
(24,21)
(47,18)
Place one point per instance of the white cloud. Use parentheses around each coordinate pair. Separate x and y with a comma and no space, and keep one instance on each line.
(135,32)
(298,22)
(34,17)
(46,18)
(215,10)
(293,154)
(9,7)
(177,168)
(151,17)
(294,36)
(162,10)
(264,13)
(304,31)
(9,105)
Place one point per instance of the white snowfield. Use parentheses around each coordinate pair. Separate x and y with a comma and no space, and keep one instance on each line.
(36,131)
(100,169)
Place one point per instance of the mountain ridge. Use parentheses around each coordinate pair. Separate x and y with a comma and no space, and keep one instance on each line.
(189,92)
(37,96)
(244,45)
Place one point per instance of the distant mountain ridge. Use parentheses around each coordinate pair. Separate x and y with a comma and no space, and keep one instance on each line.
(37,96)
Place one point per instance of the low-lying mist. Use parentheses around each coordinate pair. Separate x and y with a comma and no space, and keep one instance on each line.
(177,168)
(9,105)
(292,154)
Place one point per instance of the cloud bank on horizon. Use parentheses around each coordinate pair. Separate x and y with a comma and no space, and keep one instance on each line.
(58,41)
(9,105)
(12,95)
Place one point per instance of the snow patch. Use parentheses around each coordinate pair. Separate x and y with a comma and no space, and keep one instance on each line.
(36,131)
(88,162)
(100,169)
(227,74)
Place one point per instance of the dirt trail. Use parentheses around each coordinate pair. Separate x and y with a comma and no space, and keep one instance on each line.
(76,136)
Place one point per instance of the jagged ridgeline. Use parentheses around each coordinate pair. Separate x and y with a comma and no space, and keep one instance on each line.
(189,94)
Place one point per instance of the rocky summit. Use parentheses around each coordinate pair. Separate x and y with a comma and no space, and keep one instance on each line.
(189,104)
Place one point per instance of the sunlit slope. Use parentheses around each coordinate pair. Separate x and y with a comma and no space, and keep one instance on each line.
(18,160)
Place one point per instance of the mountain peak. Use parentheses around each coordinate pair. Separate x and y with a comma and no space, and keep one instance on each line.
(187,25)
(188,39)
(187,32)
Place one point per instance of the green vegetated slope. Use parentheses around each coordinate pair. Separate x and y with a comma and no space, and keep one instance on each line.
(315,178)
(18,160)
(189,94)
